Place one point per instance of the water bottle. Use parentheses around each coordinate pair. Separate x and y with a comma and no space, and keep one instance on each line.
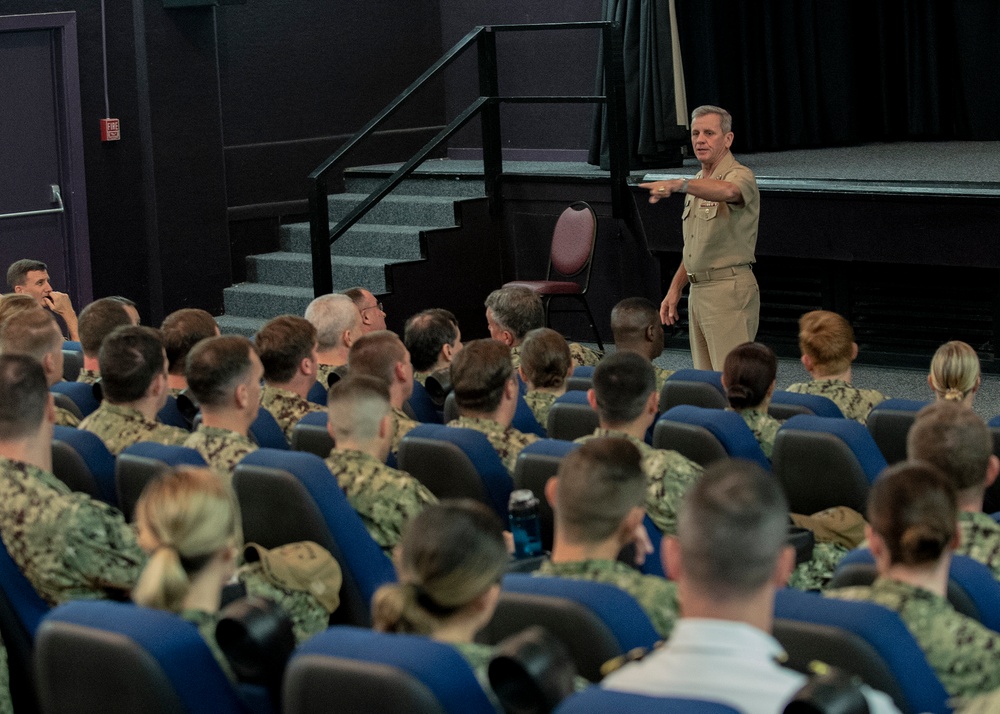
(523,509)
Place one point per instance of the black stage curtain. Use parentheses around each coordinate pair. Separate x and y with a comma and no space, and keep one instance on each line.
(811,73)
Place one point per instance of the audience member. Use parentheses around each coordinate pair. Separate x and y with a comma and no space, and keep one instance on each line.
(361,424)
(954,374)
(130,308)
(224,375)
(486,396)
(182,330)
(636,326)
(912,511)
(134,379)
(287,349)
(828,348)
(98,320)
(597,498)
(338,325)
(729,557)
(749,376)
(370,307)
(512,312)
(35,333)
(433,339)
(546,364)
(31,277)
(13,304)
(383,355)
(625,398)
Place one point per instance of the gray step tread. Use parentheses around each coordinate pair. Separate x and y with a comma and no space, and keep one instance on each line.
(234,323)
(391,198)
(282,290)
(306,259)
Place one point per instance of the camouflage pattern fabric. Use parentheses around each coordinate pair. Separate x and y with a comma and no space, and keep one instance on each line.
(68,545)
(325,370)
(308,616)
(176,391)
(764,427)
(584,356)
(119,427)
(508,443)
(206,622)
(64,417)
(815,573)
(401,426)
(668,476)
(855,403)
(222,449)
(384,497)
(964,654)
(421,377)
(6,703)
(662,375)
(980,539)
(479,656)
(287,408)
(655,595)
(88,376)
(540,403)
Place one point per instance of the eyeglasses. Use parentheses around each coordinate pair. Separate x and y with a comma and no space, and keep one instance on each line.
(372,307)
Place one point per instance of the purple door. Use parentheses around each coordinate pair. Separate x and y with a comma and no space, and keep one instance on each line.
(42,196)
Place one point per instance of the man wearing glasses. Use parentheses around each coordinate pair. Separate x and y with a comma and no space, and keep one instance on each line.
(372,314)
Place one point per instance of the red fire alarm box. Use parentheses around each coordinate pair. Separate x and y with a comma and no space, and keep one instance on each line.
(110,130)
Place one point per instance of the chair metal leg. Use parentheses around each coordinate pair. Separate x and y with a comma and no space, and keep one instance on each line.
(593,324)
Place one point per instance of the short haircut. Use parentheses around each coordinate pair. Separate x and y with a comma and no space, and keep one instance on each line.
(631,317)
(356,405)
(130,358)
(749,371)
(913,507)
(123,300)
(31,332)
(18,271)
(599,484)
(479,374)
(954,371)
(283,343)
(545,358)
(24,395)
(827,338)
(622,382)
(426,333)
(215,366)
(182,330)
(953,438)
(376,355)
(98,320)
(15,303)
(516,309)
(732,527)
(357,296)
(332,315)
(725,118)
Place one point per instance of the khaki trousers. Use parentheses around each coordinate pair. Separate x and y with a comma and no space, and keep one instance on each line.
(722,314)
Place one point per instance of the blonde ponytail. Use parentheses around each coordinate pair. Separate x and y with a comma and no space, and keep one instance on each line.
(163,584)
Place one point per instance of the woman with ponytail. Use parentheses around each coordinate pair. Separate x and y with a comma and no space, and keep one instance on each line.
(912,532)
(954,374)
(748,378)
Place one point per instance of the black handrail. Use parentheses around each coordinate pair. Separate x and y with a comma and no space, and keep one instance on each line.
(488,108)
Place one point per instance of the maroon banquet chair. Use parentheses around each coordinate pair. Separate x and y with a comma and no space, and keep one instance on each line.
(570,256)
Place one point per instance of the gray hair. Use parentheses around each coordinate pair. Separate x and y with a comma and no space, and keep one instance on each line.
(331,315)
(517,309)
(725,117)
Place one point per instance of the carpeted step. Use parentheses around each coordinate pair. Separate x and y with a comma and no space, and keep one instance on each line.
(362,240)
(417,185)
(246,326)
(295,270)
(398,210)
(254,300)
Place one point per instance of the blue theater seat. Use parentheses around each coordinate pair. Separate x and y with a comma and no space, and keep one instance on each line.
(696,387)
(82,461)
(889,423)
(600,701)
(140,463)
(81,393)
(171,415)
(571,417)
(785,405)
(706,435)
(266,432)
(311,435)
(582,379)
(21,612)
(424,408)
(318,394)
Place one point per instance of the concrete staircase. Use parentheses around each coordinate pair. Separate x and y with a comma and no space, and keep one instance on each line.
(391,233)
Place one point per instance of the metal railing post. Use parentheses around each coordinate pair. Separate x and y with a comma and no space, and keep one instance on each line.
(489,86)
(319,237)
(614,88)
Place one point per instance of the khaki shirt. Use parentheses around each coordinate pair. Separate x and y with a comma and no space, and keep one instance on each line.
(508,443)
(222,449)
(287,408)
(854,403)
(719,234)
(119,427)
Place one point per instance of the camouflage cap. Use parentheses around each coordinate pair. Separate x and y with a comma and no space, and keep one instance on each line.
(303,566)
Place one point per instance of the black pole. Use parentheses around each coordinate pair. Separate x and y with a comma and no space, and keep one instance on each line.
(319,237)
(614,86)
(489,86)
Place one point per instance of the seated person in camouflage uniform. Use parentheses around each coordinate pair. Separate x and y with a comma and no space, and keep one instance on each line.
(625,398)
(955,373)
(370,307)
(134,377)
(338,325)
(486,396)
(912,511)
(98,320)
(827,343)
(512,312)
(36,334)
(224,375)
(287,349)
(360,422)
(597,497)
(748,378)
(636,326)
(383,355)
(433,339)
(729,557)
(182,330)
(957,441)
(545,366)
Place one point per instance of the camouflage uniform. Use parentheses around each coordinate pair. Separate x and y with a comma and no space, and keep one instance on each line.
(815,573)
(88,376)
(581,356)
(508,442)
(656,596)
(325,370)
(176,391)
(980,539)
(6,704)
(662,375)
(853,402)
(119,427)
(222,449)
(479,656)
(964,654)
(401,425)
(287,408)
(421,377)
(384,497)
(307,615)
(540,403)
(668,476)
(764,427)
(68,545)
(206,622)
(64,417)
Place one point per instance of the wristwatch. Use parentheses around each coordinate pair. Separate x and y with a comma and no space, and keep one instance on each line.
(684,186)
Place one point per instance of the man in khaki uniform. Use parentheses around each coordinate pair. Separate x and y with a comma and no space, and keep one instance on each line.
(338,325)
(224,375)
(383,355)
(287,349)
(98,320)
(36,334)
(721,208)
(134,377)
(636,326)
(360,422)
